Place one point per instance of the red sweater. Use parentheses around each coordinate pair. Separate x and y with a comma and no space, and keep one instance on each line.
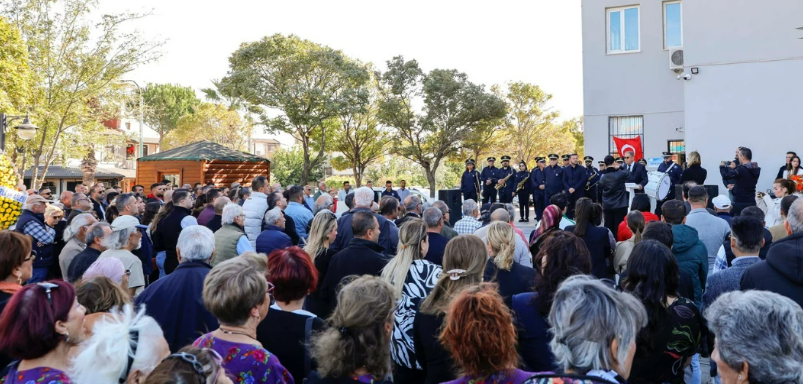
(624,232)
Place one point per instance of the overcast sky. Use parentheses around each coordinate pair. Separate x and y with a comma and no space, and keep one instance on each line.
(537,41)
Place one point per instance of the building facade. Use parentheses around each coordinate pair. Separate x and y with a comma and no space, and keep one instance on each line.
(737,85)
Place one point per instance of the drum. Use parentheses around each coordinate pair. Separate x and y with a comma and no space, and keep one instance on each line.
(658,184)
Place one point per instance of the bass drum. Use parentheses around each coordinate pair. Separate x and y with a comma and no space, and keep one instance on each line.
(658,184)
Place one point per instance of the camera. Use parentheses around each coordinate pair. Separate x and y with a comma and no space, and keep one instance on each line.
(727,162)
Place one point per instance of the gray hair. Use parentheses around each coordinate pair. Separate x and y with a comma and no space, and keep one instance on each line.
(511,211)
(442,206)
(119,239)
(77,222)
(95,231)
(500,214)
(123,200)
(762,329)
(469,206)
(230,212)
(432,217)
(795,216)
(363,197)
(323,202)
(196,242)
(411,203)
(586,316)
(272,215)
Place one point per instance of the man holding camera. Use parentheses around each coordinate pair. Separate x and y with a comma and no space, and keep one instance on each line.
(745,177)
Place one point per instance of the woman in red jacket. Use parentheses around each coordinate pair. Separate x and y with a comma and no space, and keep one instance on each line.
(641,203)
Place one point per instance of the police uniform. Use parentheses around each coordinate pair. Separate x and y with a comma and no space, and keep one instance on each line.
(488,178)
(565,162)
(537,183)
(674,172)
(574,177)
(506,192)
(523,177)
(593,176)
(470,182)
(553,176)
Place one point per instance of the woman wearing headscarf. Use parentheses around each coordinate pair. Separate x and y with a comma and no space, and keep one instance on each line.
(549,222)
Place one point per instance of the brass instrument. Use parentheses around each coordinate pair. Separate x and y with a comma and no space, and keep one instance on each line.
(504,181)
(588,186)
(521,184)
(477,184)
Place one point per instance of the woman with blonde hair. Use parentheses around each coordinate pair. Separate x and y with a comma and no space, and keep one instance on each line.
(694,172)
(412,278)
(636,224)
(463,262)
(323,232)
(355,349)
(512,277)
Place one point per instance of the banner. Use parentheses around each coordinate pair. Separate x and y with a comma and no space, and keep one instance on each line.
(629,144)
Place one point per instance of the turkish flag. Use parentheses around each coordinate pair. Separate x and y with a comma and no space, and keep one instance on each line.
(629,144)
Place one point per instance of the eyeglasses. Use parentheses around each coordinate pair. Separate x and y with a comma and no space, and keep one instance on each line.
(627,157)
(58,217)
(134,343)
(197,366)
(48,287)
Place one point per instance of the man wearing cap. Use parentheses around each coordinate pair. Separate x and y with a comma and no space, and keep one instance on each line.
(553,178)
(537,183)
(470,182)
(507,191)
(638,173)
(32,222)
(523,178)
(674,172)
(489,177)
(722,206)
(126,237)
(593,176)
(127,206)
(574,182)
(566,160)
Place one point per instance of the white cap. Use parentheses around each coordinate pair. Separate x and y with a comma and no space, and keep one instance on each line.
(722,202)
(125,222)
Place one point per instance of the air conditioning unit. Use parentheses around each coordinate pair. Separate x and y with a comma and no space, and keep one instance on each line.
(676,60)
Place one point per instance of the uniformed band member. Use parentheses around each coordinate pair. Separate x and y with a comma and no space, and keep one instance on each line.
(574,182)
(592,176)
(553,178)
(538,186)
(470,182)
(674,172)
(523,192)
(566,160)
(506,188)
(489,177)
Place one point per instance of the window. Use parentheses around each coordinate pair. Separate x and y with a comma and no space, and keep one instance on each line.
(673,25)
(623,30)
(145,149)
(676,146)
(128,126)
(624,127)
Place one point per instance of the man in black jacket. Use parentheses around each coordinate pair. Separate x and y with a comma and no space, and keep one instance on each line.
(789,156)
(745,176)
(362,256)
(615,199)
(412,207)
(781,272)
(638,173)
(165,237)
(363,199)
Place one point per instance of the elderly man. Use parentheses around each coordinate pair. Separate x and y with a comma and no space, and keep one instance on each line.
(363,199)
(95,235)
(126,237)
(279,199)
(295,209)
(81,188)
(521,253)
(178,296)
(321,189)
(79,203)
(66,202)
(469,223)
(128,205)
(309,199)
(217,221)
(433,218)
(209,212)
(321,203)
(412,208)
(231,240)
(273,237)
(75,236)
(447,231)
(32,222)
(255,207)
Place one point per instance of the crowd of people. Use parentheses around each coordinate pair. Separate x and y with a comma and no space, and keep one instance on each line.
(264,284)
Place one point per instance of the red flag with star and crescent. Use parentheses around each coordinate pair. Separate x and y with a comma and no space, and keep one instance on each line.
(629,144)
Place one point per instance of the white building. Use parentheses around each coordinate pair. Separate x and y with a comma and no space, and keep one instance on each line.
(744,64)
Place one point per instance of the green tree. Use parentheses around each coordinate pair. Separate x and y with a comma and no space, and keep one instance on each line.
(14,72)
(575,127)
(213,122)
(75,62)
(453,109)
(529,125)
(165,104)
(307,83)
(284,167)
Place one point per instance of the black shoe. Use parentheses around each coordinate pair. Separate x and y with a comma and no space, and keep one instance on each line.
(521,220)
(526,220)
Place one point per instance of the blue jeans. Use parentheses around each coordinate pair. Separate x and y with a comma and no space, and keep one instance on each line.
(693,374)
(160,262)
(39,275)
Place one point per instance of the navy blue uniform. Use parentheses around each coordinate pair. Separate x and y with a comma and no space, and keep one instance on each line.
(489,191)
(554,181)
(674,177)
(468,184)
(506,192)
(592,189)
(538,179)
(523,194)
(574,177)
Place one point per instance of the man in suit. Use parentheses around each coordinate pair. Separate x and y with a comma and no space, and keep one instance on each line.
(553,178)
(469,183)
(574,182)
(674,173)
(638,173)
(489,177)
(506,192)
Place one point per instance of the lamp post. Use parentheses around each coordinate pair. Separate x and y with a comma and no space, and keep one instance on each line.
(25,131)
(140,114)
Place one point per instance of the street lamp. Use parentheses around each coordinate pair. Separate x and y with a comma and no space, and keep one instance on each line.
(140,114)
(25,131)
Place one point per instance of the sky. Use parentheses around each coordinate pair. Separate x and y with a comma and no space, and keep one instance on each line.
(493,42)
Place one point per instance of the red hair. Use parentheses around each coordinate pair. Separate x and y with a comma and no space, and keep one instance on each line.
(28,323)
(292,273)
(479,332)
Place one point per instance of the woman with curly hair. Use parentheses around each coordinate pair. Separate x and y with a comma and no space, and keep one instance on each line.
(356,348)
(480,335)
(512,278)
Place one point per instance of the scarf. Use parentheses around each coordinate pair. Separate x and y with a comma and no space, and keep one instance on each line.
(551,219)
(11,288)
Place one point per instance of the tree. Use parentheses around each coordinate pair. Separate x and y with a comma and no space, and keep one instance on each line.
(213,122)
(14,72)
(453,109)
(529,125)
(284,167)
(75,61)
(306,82)
(165,104)
(575,127)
